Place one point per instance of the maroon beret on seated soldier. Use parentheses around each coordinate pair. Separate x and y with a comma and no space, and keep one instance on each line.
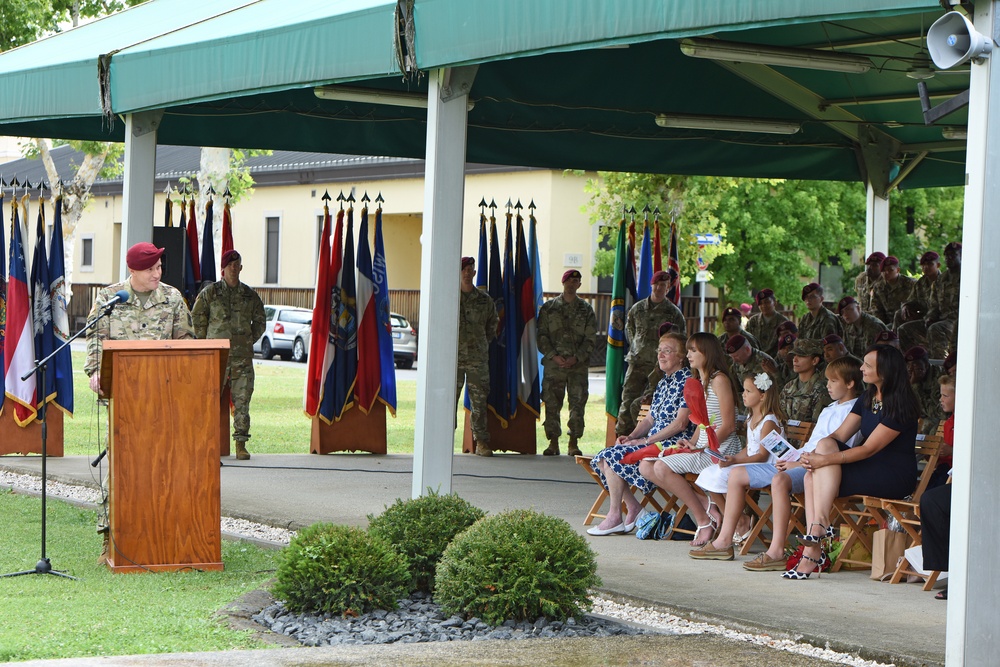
(916,353)
(954,245)
(890,261)
(844,303)
(142,256)
(886,337)
(735,343)
(876,257)
(659,276)
(809,289)
(766,293)
(929,256)
(832,339)
(732,312)
(787,340)
(572,273)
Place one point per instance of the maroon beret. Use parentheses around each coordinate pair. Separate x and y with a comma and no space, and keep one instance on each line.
(786,340)
(142,256)
(666,327)
(658,276)
(468,261)
(766,293)
(885,336)
(788,327)
(916,353)
(844,303)
(890,261)
(809,289)
(832,339)
(229,256)
(735,343)
(929,256)
(732,312)
(954,245)
(876,257)
(571,273)
(950,362)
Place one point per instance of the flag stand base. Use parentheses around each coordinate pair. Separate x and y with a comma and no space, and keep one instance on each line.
(519,436)
(27,440)
(355,432)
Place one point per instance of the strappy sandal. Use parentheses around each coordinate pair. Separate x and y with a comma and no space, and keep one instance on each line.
(798,576)
(816,540)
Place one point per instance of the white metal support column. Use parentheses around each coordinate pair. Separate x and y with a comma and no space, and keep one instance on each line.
(876,222)
(972,638)
(444,189)
(140,171)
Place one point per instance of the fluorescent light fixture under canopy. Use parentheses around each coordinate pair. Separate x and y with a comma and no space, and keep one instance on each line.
(955,133)
(728,124)
(715,49)
(375,96)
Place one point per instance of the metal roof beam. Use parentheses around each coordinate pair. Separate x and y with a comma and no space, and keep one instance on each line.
(887,99)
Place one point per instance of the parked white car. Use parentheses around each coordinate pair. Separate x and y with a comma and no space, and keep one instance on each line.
(404,342)
(283,323)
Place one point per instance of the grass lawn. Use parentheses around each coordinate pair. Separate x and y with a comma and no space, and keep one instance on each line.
(103,614)
(279,425)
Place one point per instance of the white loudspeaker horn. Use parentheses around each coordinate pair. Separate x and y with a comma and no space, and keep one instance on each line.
(953,40)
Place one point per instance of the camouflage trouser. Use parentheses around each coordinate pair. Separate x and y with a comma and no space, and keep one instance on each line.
(636,380)
(240,377)
(559,381)
(911,334)
(940,338)
(477,376)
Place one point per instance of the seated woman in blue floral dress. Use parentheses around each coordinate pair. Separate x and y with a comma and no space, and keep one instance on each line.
(666,424)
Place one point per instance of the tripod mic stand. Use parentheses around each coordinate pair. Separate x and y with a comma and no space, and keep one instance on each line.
(44,564)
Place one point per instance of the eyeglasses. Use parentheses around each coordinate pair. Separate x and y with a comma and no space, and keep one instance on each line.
(664,352)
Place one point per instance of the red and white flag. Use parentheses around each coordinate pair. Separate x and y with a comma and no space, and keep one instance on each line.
(19,347)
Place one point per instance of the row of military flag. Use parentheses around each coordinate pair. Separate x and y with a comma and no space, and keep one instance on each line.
(514,282)
(632,283)
(33,316)
(200,265)
(350,353)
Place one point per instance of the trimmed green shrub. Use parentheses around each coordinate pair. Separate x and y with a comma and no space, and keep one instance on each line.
(517,565)
(421,528)
(340,570)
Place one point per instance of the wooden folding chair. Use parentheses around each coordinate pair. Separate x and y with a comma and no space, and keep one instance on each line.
(796,432)
(671,503)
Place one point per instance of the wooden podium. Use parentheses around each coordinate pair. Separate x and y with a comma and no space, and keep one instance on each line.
(163,452)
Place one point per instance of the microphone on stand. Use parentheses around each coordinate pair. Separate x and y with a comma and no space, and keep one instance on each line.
(121,296)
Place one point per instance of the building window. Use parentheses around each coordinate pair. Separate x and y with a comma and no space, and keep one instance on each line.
(87,252)
(272,227)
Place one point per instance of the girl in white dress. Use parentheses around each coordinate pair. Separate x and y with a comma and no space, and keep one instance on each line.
(760,395)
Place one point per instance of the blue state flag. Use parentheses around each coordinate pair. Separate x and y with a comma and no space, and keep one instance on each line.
(642,287)
(511,332)
(41,310)
(3,302)
(481,278)
(536,272)
(387,391)
(61,367)
(338,393)
(498,396)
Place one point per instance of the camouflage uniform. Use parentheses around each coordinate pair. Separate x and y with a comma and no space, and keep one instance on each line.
(928,395)
(754,342)
(860,335)
(766,331)
(738,372)
(820,325)
(863,293)
(805,400)
(912,333)
(477,326)
(943,314)
(567,330)
(785,372)
(923,291)
(235,314)
(652,380)
(643,331)
(889,297)
(165,316)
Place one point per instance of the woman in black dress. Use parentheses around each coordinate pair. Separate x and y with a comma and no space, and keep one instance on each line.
(883,465)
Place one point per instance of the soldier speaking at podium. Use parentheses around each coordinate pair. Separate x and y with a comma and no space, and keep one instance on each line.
(153,311)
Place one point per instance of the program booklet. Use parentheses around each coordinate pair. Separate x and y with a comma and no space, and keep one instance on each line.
(781,448)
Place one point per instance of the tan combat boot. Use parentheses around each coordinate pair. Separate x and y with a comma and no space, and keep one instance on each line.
(572,449)
(105,550)
(482,449)
(553,448)
(241,451)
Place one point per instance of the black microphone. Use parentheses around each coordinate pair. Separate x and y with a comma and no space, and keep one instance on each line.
(121,296)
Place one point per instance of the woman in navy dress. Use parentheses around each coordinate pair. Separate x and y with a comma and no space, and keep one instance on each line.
(883,465)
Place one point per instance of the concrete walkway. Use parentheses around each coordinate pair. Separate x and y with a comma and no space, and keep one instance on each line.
(846,611)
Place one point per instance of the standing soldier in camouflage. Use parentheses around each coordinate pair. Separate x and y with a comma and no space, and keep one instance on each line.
(819,322)
(566,329)
(764,325)
(942,318)
(477,326)
(805,396)
(863,283)
(923,289)
(232,310)
(924,381)
(732,325)
(860,328)
(154,311)
(641,328)
(890,291)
